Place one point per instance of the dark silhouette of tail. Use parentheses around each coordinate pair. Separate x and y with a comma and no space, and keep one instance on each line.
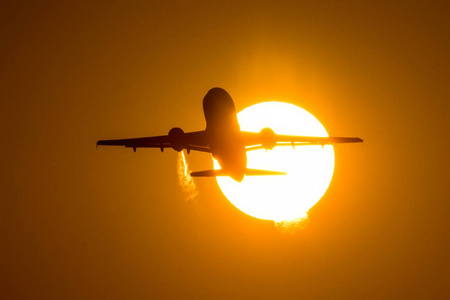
(248,172)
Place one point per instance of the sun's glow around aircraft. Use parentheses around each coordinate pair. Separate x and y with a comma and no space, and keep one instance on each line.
(295,179)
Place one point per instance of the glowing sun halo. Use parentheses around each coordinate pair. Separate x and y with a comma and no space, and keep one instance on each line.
(309,168)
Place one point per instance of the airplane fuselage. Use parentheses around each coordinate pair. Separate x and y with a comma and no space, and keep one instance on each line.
(224,134)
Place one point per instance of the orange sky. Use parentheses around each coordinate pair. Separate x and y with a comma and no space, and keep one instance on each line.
(77,222)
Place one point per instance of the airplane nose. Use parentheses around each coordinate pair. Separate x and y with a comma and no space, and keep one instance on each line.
(217,92)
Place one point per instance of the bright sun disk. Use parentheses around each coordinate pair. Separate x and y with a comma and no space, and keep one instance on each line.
(309,168)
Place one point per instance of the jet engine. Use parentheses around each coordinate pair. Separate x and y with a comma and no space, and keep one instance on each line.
(177,139)
(268,138)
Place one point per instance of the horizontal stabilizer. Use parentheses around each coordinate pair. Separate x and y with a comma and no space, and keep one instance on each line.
(256,172)
(209,173)
(248,172)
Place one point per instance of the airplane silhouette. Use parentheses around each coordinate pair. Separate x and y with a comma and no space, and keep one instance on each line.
(224,139)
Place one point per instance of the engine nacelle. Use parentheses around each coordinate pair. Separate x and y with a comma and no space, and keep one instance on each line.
(177,139)
(268,138)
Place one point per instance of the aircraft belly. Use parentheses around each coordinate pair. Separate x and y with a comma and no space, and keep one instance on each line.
(233,160)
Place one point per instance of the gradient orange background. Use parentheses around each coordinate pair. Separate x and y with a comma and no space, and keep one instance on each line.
(77,222)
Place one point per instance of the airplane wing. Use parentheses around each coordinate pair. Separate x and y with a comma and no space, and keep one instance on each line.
(267,139)
(190,141)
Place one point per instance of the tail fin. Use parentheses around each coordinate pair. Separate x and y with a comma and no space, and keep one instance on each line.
(248,172)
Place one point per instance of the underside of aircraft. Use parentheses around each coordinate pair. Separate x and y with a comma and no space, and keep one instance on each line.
(224,139)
